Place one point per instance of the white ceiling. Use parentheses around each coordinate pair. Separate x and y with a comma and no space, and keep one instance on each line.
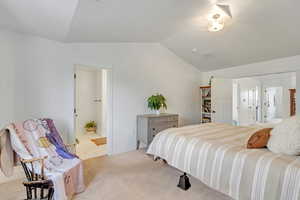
(258,31)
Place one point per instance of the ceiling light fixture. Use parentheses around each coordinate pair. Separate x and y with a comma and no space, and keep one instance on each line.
(216,23)
(216,20)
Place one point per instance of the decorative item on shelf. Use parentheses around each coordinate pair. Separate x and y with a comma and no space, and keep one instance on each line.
(210,80)
(156,102)
(91,127)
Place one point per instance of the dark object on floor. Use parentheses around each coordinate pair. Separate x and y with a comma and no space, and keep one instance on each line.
(37,186)
(99,141)
(156,158)
(184,182)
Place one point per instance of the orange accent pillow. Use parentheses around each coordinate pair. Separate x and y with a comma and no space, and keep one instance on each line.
(259,139)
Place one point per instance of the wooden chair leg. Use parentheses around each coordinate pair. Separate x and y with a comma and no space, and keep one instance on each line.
(35,193)
(28,192)
(50,193)
(42,192)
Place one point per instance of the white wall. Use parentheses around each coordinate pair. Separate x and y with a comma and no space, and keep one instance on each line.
(45,77)
(7,79)
(41,79)
(139,70)
(9,43)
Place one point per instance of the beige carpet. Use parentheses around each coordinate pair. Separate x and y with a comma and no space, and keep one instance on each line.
(129,176)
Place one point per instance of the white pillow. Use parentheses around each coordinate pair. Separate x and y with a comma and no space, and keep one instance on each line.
(285,137)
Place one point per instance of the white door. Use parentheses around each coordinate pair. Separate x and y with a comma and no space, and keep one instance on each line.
(249,101)
(272,105)
(86,99)
(221,100)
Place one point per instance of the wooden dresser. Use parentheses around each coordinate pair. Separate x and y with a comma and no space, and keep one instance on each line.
(151,124)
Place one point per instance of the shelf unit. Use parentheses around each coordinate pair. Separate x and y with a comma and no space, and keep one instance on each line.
(206,104)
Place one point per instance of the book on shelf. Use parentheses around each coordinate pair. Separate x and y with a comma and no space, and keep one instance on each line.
(206,104)
(206,120)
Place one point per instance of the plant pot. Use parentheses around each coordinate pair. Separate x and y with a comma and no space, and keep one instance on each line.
(91,130)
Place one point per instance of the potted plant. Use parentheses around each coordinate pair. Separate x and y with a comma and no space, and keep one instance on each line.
(91,126)
(155,102)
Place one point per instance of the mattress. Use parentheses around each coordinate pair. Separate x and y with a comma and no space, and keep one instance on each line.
(216,154)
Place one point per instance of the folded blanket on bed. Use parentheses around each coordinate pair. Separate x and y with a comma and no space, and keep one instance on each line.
(217,155)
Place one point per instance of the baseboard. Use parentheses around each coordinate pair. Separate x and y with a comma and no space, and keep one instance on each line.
(18,174)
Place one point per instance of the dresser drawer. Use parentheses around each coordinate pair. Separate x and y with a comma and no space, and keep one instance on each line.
(160,120)
(162,126)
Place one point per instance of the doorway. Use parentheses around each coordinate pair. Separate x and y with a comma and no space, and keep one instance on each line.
(262,99)
(272,106)
(92,111)
(247,97)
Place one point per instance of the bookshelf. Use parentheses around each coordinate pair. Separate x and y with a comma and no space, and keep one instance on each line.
(206,104)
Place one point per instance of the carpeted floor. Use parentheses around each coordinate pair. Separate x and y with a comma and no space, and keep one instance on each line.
(129,176)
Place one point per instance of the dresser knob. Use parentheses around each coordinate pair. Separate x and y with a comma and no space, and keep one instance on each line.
(153,129)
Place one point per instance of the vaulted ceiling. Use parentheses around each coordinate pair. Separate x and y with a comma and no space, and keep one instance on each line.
(258,31)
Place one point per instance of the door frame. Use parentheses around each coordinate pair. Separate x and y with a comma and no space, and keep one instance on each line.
(109,121)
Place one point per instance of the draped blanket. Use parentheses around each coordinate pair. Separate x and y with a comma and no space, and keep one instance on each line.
(8,158)
(38,138)
(217,155)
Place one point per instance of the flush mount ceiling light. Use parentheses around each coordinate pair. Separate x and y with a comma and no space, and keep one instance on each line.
(218,16)
(216,23)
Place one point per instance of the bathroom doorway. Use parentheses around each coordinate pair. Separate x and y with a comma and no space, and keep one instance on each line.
(92,111)
(272,106)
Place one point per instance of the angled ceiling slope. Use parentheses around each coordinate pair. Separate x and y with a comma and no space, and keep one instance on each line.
(47,18)
(130,20)
(258,31)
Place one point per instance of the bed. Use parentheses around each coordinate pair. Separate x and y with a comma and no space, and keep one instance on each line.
(216,154)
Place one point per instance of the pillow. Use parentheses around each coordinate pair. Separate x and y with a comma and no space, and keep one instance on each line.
(259,139)
(285,137)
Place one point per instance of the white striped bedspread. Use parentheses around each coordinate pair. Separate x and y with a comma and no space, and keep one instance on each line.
(217,155)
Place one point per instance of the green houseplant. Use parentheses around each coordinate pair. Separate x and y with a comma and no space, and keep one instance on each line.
(91,126)
(155,102)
